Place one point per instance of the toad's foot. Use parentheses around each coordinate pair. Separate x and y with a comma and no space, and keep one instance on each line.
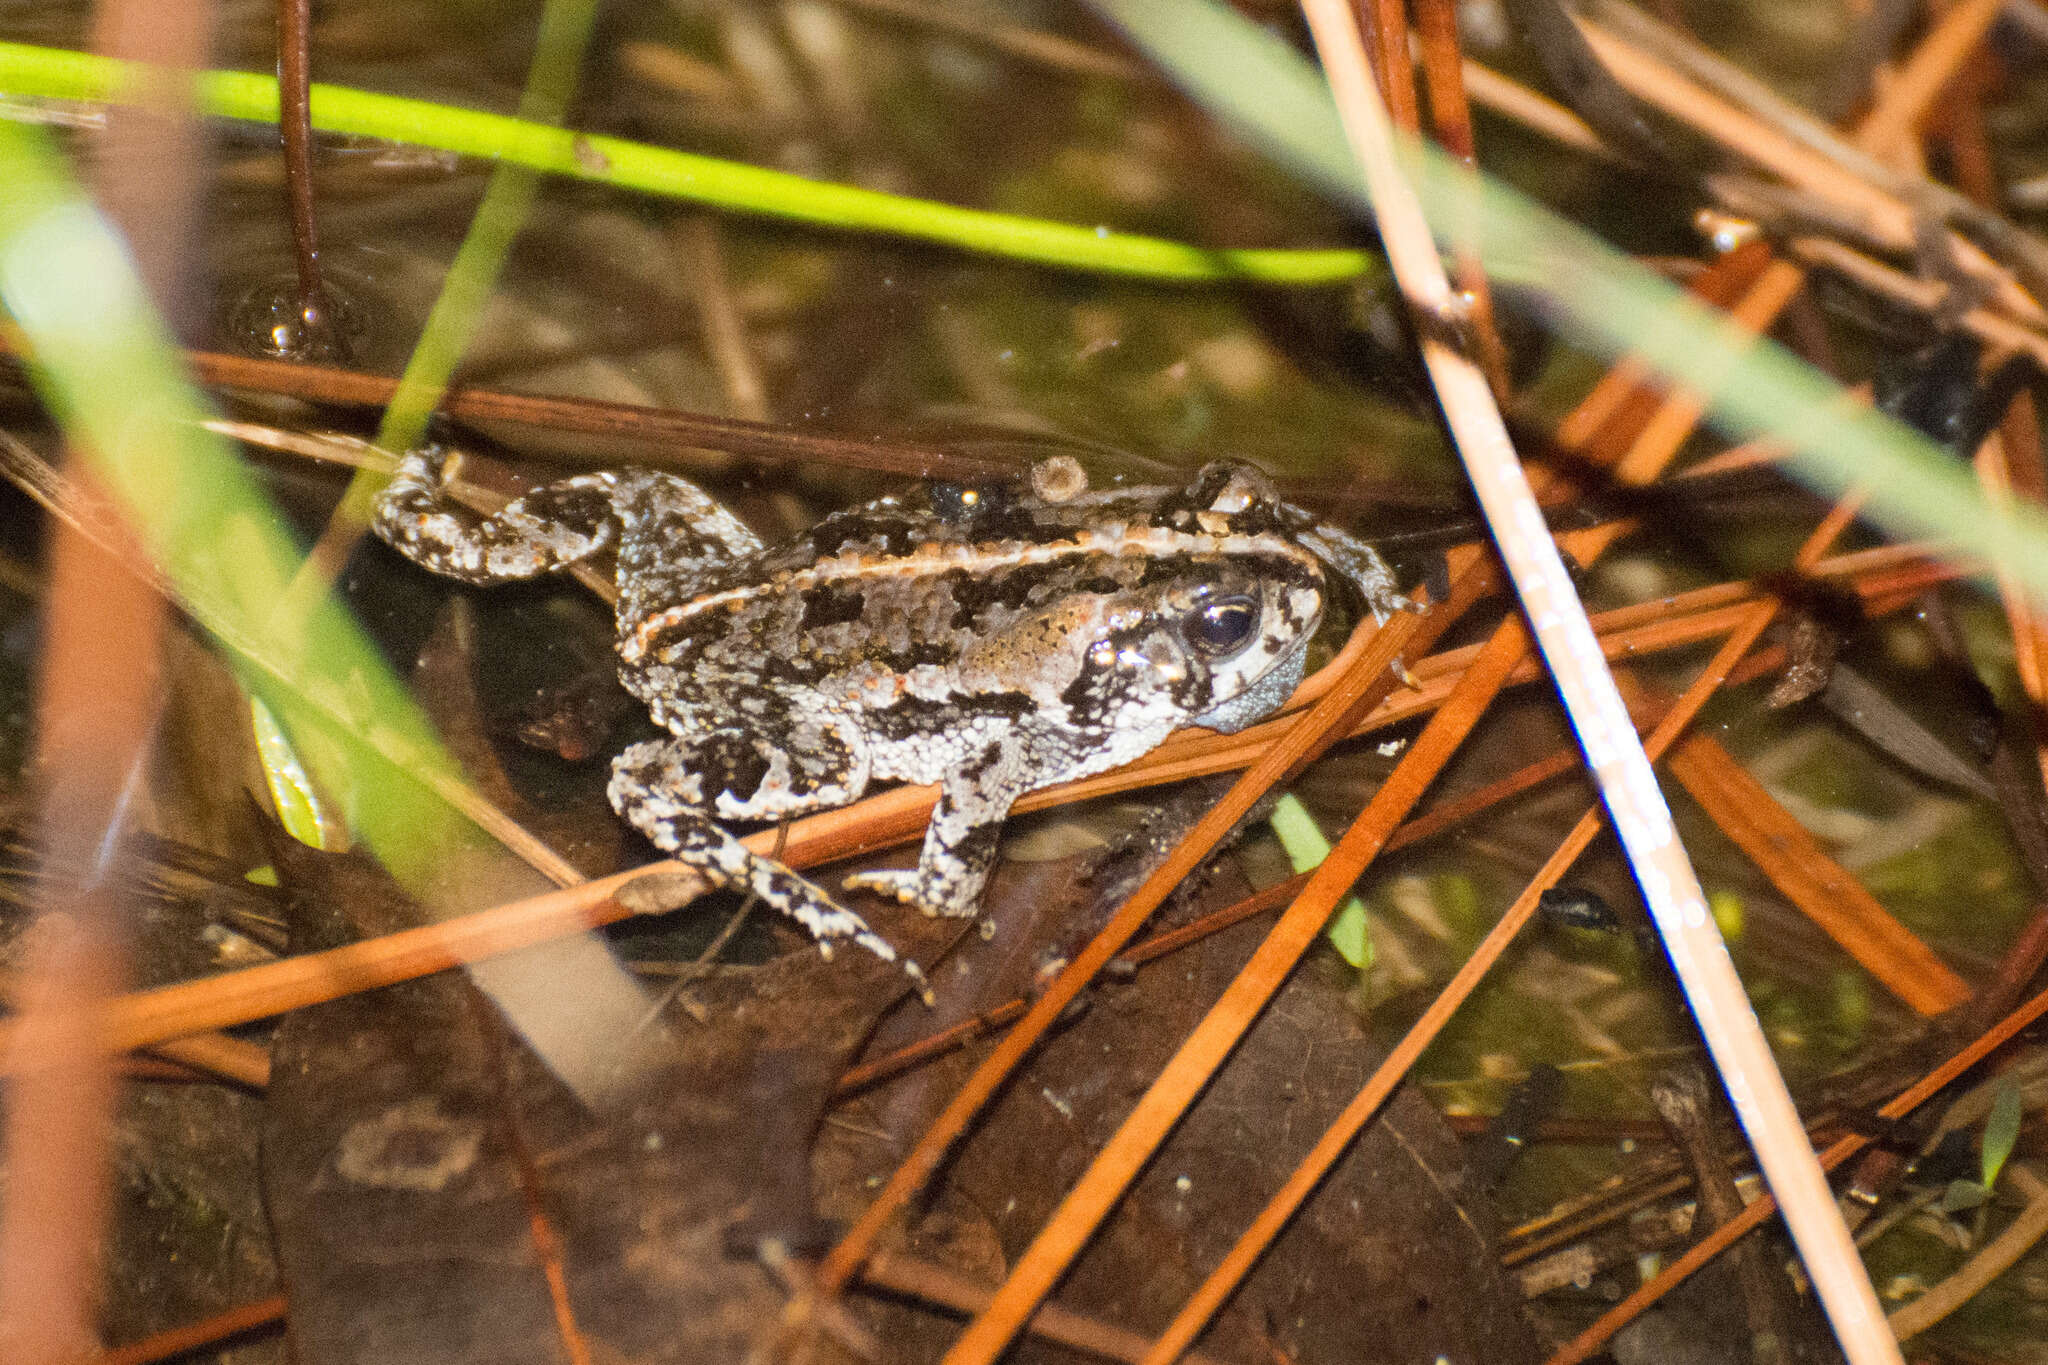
(644,789)
(934,894)
(959,852)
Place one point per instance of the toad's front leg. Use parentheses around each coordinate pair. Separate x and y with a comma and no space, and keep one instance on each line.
(663,790)
(960,844)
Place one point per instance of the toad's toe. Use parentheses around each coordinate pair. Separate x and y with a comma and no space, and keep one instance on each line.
(908,885)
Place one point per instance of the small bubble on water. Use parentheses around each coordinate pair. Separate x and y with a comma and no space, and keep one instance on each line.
(270,320)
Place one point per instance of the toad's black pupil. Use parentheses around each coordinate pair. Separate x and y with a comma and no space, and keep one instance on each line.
(1221,627)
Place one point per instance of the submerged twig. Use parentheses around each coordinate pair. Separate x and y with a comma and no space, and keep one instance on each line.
(295,124)
(1686,1104)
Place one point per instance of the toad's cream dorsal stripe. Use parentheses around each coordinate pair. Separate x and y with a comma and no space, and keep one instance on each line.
(1151,542)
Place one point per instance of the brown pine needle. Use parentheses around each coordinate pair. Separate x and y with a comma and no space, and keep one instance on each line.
(1822,890)
(178,1341)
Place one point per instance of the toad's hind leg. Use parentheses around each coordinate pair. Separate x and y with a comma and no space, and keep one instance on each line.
(659,791)
(669,533)
(550,528)
(673,537)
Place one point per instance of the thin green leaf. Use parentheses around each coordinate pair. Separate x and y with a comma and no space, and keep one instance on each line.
(1349,931)
(1276,99)
(28,71)
(292,793)
(2001,1129)
(111,375)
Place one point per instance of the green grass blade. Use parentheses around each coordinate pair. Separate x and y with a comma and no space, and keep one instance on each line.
(1752,388)
(1349,930)
(2001,1130)
(111,374)
(558,53)
(53,73)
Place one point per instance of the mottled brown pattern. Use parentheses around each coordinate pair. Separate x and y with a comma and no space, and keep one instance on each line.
(991,644)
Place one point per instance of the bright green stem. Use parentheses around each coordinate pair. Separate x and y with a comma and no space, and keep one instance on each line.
(558,52)
(52,73)
(113,378)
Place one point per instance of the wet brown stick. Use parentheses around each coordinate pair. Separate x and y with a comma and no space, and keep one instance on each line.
(661,428)
(1686,1103)
(1385,22)
(295,124)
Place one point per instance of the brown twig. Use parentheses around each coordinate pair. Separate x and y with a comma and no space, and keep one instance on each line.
(295,127)
(1385,24)
(662,429)
(1687,1105)
(191,1336)
(219,1055)
(659,427)
(1026,44)
(1337,1139)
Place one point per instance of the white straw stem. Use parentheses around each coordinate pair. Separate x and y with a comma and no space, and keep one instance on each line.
(1627,784)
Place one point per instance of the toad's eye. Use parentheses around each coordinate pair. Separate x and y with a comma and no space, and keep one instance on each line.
(1221,627)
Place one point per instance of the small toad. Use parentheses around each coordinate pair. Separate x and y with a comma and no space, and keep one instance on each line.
(992,643)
